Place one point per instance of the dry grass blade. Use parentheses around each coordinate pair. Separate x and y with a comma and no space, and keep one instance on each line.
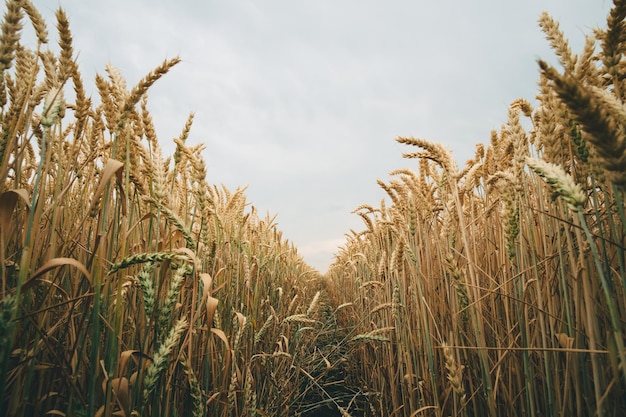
(52,264)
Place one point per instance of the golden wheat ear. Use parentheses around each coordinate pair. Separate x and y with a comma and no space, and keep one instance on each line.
(142,87)
(613,47)
(66,64)
(11,26)
(557,40)
(602,129)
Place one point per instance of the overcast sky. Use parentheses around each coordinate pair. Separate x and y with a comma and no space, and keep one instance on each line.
(301,100)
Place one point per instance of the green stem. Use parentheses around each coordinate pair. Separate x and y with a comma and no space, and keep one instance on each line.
(24,263)
(606,288)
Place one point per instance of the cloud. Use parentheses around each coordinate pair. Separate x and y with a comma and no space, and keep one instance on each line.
(316,252)
(302,101)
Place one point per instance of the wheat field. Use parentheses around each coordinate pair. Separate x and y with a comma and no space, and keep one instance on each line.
(132,286)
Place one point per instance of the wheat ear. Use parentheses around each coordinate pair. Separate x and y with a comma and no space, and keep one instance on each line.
(604,132)
(159,362)
(559,181)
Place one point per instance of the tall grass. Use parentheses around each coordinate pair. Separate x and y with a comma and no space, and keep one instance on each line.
(505,281)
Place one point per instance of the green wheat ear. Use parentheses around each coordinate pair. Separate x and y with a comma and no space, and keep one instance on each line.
(159,362)
(52,107)
(559,181)
(147,287)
